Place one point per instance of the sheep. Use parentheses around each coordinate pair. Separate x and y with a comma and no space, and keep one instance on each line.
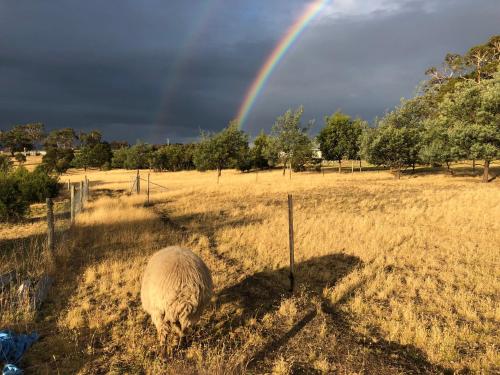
(176,287)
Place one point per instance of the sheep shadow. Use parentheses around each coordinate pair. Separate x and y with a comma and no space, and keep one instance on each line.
(262,293)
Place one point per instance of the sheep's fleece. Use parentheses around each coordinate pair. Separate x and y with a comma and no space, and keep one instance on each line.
(176,287)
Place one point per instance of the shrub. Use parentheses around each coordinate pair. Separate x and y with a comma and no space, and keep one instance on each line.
(20,188)
(57,159)
(12,204)
(37,185)
(5,163)
(20,157)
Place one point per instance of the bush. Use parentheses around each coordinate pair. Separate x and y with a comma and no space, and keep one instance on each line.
(20,188)
(20,157)
(119,157)
(57,159)
(5,163)
(12,204)
(36,186)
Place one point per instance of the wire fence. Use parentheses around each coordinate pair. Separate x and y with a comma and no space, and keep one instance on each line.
(149,185)
(24,288)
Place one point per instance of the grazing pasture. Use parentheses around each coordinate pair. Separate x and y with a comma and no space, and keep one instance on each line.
(393,276)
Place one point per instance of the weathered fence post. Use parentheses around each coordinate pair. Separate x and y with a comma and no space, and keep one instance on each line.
(72,203)
(50,226)
(81,195)
(87,189)
(290,235)
(148,188)
(69,185)
(360,165)
(138,183)
(84,191)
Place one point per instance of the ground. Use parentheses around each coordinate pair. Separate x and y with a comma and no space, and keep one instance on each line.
(393,276)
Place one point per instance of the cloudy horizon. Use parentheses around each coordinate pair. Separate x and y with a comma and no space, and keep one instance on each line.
(154,70)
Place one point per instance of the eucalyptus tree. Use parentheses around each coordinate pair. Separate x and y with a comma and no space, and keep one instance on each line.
(340,138)
(290,143)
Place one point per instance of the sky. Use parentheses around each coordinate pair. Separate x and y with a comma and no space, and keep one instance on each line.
(153,70)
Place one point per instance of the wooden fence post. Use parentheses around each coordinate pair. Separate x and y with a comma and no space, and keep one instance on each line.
(87,189)
(50,226)
(72,203)
(138,183)
(148,188)
(69,185)
(290,237)
(81,195)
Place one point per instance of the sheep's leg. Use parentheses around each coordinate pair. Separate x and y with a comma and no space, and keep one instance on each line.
(161,327)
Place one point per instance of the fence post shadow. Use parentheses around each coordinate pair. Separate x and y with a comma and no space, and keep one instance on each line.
(262,293)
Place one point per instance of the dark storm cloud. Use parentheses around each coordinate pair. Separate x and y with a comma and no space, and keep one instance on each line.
(364,65)
(153,69)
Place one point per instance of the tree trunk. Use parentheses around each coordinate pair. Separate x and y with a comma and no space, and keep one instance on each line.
(413,168)
(473,165)
(448,167)
(397,175)
(352,166)
(340,166)
(486,171)
(284,169)
(218,173)
(360,165)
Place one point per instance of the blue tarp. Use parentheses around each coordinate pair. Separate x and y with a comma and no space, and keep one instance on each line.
(12,347)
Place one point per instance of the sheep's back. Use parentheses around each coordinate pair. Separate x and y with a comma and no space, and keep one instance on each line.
(175,281)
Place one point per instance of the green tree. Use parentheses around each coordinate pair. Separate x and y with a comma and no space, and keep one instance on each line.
(61,139)
(116,145)
(20,188)
(139,156)
(260,151)
(397,141)
(57,159)
(221,150)
(119,157)
(436,147)
(93,151)
(340,138)
(22,137)
(472,115)
(6,163)
(20,157)
(173,157)
(59,146)
(290,143)
(12,204)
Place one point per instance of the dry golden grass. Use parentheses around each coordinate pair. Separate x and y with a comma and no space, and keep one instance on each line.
(393,276)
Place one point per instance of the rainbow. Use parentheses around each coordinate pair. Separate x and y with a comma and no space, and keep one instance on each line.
(276,56)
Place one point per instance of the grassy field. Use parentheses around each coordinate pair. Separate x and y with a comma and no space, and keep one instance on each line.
(393,276)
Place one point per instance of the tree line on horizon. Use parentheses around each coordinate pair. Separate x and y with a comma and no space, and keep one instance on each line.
(455,116)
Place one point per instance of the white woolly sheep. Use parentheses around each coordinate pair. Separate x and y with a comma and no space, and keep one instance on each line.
(176,287)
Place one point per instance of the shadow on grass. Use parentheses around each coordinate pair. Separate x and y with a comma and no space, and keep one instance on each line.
(262,293)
